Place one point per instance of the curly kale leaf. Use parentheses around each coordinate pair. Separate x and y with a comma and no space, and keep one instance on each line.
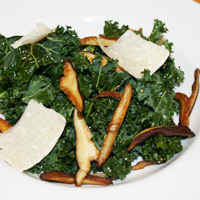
(67,39)
(157,33)
(118,166)
(160,149)
(111,29)
(100,117)
(105,78)
(39,89)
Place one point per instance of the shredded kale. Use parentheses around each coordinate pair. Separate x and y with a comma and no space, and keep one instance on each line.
(34,71)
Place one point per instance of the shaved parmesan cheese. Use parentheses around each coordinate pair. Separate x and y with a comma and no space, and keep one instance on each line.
(136,54)
(32,138)
(38,33)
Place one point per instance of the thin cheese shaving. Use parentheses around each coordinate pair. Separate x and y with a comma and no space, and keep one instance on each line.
(32,138)
(136,54)
(35,35)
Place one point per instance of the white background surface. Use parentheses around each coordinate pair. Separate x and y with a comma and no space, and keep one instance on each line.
(179,179)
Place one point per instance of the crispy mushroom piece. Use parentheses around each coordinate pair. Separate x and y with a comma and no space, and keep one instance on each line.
(56,176)
(114,94)
(187,103)
(142,165)
(163,131)
(86,151)
(115,124)
(92,40)
(69,85)
(91,56)
(4,125)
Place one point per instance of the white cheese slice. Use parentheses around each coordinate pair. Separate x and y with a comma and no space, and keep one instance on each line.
(136,54)
(32,138)
(35,35)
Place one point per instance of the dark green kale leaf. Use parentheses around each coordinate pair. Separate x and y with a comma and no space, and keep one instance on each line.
(158,29)
(160,149)
(70,40)
(118,166)
(100,117)
(81,63)
(153,93)
(105,77)
(168,45)
(111,29)
(39,89)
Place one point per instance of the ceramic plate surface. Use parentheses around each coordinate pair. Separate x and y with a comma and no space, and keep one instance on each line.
(177,179)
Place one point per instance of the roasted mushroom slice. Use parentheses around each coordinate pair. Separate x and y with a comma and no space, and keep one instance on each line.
(187,103)
(114,94)
(115,124)
(4,125)
(69,85)
(86,151)
(163,131)
(92,40)
(56,176)
(142,165)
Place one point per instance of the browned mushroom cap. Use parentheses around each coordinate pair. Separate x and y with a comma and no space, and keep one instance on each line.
(69,85)
(91,56)
(187,103)
(116,95)
(161,130)
(56,176)
(115,124)
(4,125)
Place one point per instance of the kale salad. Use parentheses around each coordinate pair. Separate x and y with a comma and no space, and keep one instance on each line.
(33,71)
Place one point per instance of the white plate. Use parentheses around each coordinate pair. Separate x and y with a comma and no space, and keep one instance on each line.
(179,178)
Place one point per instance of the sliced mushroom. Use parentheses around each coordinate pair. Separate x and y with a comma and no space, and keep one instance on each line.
(115,124)
(57,176)
(69,85)
(4,125)
(161,130)
(187,103)
(116,95)
(142,165)
(92,40)
(86,151)
(91,56)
